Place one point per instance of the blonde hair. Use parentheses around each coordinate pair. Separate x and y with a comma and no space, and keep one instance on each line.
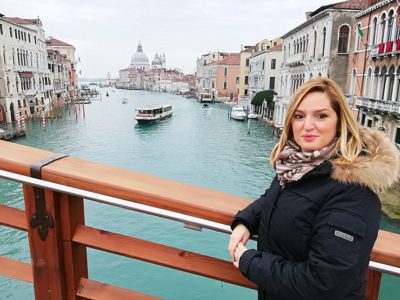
(349,143)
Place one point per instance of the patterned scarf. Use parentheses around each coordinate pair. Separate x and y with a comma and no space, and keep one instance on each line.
(292,163)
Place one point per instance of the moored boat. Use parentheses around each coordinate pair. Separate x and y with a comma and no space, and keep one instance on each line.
(153,113)
(238,113)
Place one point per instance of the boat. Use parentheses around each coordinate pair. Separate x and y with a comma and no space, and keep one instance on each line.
(252,116)
(205,105)
(238,113)
(124,100)
(205,97)
(107,94)
(153,113)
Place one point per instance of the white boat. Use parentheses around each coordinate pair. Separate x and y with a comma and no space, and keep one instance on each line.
(238,113)
(252,116)
(153,113)
(205,97)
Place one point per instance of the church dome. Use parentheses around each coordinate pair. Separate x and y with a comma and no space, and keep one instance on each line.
(156,62)
(139,59)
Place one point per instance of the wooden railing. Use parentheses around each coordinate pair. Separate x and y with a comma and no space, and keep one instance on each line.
(61,251)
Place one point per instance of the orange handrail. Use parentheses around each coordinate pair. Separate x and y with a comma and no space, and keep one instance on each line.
(63,252)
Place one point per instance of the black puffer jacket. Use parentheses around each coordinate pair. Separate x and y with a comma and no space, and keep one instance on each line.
(315,236)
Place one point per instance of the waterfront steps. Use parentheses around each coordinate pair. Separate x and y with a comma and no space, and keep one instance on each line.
(63,251)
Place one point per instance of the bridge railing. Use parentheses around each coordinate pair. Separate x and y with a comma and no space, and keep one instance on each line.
(54,188)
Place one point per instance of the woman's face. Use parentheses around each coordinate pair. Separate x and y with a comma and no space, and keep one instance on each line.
(314,123)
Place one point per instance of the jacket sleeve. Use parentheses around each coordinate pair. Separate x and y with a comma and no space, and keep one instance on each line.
(250,216)
(343,236)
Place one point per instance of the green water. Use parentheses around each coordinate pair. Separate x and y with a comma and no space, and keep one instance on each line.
(196,146)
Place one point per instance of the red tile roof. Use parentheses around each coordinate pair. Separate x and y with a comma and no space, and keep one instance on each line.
(54,42)
(349,4)
(232,59)
(275,48)
(21,21)
(352,4)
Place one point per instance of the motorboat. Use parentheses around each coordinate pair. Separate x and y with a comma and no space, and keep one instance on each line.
(153,113)
(252,116)
(238,113)
(205,105)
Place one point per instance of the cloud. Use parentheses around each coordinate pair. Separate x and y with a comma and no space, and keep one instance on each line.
(106,33)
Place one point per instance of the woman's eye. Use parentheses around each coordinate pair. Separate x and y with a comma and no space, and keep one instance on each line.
(322,116)
(298,116)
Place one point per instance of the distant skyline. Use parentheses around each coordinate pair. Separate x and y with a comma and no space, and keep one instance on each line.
(106,34)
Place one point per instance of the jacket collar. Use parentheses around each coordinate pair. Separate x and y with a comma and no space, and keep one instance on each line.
(378,168)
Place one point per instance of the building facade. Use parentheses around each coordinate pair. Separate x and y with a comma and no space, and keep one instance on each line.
(374,74)
(24,74)
(318,47)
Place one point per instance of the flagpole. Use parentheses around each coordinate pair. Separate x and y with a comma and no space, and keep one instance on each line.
(365,56)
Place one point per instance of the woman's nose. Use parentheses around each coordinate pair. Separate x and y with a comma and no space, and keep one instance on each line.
(308,123)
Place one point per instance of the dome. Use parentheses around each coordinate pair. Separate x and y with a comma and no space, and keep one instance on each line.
(140,59)
(156,61)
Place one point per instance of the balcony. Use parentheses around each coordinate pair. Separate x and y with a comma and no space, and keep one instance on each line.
(296,59)
(374,50)
(378,106)
(381,48)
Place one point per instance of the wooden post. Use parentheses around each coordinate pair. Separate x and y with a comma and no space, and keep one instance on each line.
(72,215)
(47,259)
(57,263)
(373,284)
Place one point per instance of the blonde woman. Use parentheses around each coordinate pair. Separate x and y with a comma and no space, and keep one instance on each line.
(318,221)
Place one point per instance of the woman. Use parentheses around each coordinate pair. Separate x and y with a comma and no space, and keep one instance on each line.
(318,221)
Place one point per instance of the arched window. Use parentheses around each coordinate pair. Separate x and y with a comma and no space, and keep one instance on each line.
(374,31)
(367,86)
(323,41)
(343,39)
(383,82)
(353,82)
(4,55)
(8,85)
(17,84)
(391,82)
(315,43)
(382,28)
(390,26)
(307,44)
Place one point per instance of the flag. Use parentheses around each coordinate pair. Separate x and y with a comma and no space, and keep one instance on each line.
(360,32)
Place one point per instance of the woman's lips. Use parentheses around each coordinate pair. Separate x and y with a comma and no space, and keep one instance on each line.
(309,138)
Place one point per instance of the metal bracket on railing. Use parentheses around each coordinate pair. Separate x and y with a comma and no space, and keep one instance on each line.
(193,226)
(41,218)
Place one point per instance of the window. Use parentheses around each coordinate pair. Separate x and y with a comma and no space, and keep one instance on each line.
(374,31)
(1,28)
(390,26)
(369,123)
(246,79)
(397,137)
(29,37)
(323,40)
(10,32)
(343,39)
(272,83)
(246,92)
(224,85)
(315,42)
(34,39)
(247,62)
(225,72)
(363,119)
(383,27)
(273,64)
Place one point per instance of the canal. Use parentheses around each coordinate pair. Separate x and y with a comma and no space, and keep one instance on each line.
(196,146)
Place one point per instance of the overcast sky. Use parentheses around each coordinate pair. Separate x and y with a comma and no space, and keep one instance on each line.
(106,33)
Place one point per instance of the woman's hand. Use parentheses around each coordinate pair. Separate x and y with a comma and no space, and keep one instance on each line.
(240,249)
(239,235)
